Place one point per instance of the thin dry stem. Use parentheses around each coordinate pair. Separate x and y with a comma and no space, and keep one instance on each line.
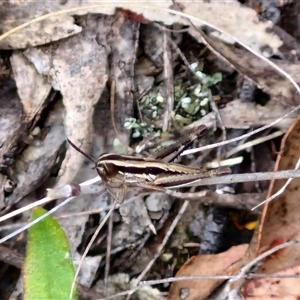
(36,220)
(108,250)
(43,201)
(25,208)
(246,177)
(221,123)
(213,277)
(168,77)
(254,142)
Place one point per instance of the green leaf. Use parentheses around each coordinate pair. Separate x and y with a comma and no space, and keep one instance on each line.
(214,79)
(48,270)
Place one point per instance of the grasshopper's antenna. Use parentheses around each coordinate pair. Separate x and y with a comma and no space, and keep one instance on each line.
(80,151)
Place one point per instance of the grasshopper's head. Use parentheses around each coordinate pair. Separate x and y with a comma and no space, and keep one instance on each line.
(107,167)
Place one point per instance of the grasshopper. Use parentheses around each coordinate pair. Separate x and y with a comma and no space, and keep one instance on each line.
(121,173)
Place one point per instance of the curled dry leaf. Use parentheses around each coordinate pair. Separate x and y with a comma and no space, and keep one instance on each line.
(280,222)
(205,265)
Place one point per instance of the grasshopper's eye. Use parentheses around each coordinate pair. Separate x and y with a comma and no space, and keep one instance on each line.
(109,170)
(100,169)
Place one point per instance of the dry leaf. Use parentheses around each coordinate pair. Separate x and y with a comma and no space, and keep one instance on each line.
(33,88)
(280,220)
(49,30)
(208,265)
(279,288)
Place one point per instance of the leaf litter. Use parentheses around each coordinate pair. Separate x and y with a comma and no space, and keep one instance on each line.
(81,68)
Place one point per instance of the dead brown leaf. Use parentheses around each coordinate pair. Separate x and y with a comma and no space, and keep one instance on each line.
(280,220)
(280,288)
(40,33)
(204,265)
